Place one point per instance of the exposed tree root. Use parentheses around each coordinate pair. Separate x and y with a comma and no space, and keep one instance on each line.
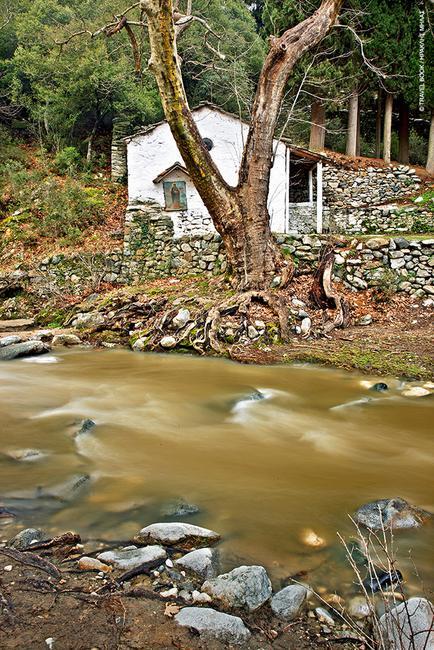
(324,296)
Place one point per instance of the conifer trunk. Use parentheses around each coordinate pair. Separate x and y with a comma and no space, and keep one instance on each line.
(378,124)
(353,107)
(318,128)
(387,133)
(404,129)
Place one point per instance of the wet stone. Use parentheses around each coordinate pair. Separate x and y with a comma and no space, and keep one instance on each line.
(202,563)
(390,514)
(177,534)
(25,538)
(130,558)
(288,603)
(211,624)
(246,587)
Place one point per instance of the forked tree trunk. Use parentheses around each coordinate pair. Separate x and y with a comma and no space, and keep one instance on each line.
(318,128)
(378,124)
(239,214)
(404,128)
(353,107)
(430,158)
(387,134)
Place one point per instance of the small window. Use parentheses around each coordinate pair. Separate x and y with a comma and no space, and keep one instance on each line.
(175,196)
(209,144)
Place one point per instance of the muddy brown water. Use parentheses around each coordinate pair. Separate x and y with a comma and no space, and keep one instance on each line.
(178,427)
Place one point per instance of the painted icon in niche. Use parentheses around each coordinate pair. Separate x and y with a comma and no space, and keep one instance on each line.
(175,195)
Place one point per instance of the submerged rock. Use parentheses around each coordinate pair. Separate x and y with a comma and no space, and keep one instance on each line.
(179,508)
(202,563)
(409,626)
(390,514)
(25,538)
(211,624)
(382,580)
(246,587)
(26,349)
(177,534)
(310,538)
(415,391)
(379,387)
(130,558)
(288,603)
(85,427)
(26,455)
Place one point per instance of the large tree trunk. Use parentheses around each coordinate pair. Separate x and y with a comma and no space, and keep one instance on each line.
(430,158)
(240,214)
(358,129)
(387,134)
(404,128)
(317,128)
(378,123)
(353,109)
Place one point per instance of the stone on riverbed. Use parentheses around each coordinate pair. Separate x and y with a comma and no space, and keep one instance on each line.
(288,603)
(85,427)
(211,624)
(185,536)
(26,349)
(179,508)
(246,587)
(202,563)
(26,455)
(25,538)
(9,340)
(390,514)
(130,558)
(409,626)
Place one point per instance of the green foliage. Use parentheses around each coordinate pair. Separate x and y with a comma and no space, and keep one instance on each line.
(67,161)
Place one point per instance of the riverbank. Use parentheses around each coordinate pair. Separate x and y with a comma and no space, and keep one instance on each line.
(388,335)
(164,591)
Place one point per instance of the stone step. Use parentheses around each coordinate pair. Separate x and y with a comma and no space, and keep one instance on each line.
(17,325)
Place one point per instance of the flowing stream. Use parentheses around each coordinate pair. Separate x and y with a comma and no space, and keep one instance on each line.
(317,445)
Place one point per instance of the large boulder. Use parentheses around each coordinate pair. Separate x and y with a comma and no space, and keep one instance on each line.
(26,349)
(211,625)
(202,563)
(130,558)
(410,626)
(178,534)
(288,603)
(390,514)
(246,587)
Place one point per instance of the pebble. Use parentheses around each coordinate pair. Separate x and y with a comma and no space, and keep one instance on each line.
(365,320)
(199,597)
(170,593)
(8,567)
(92,564)
(310,538)
(168,342)
(324,617)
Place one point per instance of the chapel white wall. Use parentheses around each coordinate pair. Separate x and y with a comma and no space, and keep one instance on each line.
(152,153)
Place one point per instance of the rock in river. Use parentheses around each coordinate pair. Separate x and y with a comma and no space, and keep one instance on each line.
(409,626)
(26,349)
(130,558)
(211,624)
(390,513)
(179,508)
(246,587)
(177,534)
(66,339)
(202,563)
(288,603)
